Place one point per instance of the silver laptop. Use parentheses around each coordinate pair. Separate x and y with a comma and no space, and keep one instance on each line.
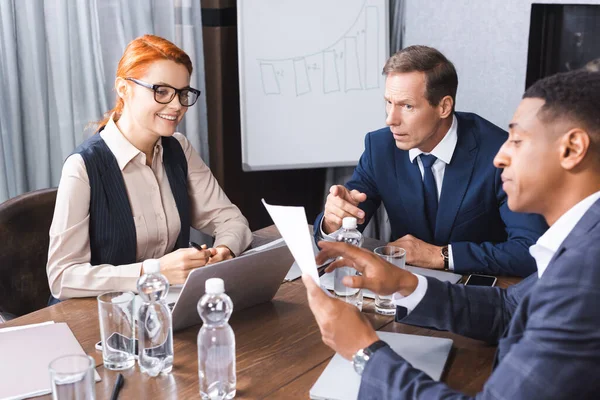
(250,279)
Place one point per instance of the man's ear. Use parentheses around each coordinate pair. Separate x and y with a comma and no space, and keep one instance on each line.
(574,145)
(121,87)
(446,105)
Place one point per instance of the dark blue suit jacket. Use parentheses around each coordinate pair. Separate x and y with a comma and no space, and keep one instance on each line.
(473,215)
(547,330)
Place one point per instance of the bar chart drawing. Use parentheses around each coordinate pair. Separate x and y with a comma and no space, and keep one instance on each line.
(270,83)
(331,77)
(351,63)
(301,75)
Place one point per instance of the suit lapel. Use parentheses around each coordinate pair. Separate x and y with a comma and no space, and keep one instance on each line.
(457,177)
(412,199)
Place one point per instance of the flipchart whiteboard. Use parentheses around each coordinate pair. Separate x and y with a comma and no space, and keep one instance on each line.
(310,80)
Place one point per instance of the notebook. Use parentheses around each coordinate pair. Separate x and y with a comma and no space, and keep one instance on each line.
(26,353)
(339,381)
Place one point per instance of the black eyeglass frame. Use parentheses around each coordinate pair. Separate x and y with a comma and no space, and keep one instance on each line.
(177,92)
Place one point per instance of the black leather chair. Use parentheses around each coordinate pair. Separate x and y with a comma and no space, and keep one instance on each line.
(24,238)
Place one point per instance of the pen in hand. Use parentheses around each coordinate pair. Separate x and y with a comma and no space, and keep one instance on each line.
(197,246)
(117,388)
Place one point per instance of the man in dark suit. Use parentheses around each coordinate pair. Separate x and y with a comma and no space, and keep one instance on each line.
(547,327)
(427,155)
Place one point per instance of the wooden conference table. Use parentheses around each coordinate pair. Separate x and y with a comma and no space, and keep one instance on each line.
(280,354)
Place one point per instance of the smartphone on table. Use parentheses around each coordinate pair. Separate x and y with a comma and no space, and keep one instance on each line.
(116,341)
(480,280)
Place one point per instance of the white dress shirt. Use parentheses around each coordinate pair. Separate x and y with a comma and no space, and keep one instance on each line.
(542,251)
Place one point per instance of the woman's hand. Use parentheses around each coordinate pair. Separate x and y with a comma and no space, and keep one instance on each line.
(220,253)
(177,265)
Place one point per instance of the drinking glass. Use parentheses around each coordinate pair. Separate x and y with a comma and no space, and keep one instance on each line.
(396,256)
(117,329)
(72,377)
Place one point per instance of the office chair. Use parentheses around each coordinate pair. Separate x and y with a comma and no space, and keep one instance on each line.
(24,238)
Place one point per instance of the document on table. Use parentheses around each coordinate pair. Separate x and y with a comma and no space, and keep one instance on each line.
(291,223)
(25,354)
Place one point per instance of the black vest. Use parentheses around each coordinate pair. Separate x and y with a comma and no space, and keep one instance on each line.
(112,229)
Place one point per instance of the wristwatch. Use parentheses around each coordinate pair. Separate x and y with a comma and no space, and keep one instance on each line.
(445,257)
(362,356)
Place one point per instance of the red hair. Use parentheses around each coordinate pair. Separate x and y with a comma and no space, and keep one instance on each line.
(139,54)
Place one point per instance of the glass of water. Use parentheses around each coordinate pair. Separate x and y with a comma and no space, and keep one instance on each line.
(353,296)
(397,256)
(117,329)
(72,377)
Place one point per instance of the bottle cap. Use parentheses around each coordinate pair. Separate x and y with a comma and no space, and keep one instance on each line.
(349,223)
(215,286)
(151,266)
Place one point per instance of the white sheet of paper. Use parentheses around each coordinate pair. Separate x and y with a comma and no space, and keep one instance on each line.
(291,223)
(295,272)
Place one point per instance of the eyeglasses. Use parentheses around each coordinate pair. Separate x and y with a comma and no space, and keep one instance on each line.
(164,94)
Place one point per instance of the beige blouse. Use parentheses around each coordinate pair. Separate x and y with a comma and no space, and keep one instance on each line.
(155,214)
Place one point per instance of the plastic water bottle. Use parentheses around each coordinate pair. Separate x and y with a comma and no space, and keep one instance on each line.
(350,235)
(216,343)
(155,326)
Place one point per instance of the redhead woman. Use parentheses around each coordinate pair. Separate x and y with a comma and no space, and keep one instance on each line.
(132,190)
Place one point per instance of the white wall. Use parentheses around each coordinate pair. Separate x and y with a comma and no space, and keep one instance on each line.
(487,42)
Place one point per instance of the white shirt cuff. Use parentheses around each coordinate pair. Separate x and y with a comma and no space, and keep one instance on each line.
(412,301)
(324,236)
(450,258)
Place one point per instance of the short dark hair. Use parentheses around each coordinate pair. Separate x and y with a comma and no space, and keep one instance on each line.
(440,74)
(572,96)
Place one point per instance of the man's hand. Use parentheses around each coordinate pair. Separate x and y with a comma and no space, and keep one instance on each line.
(177,265)
(342,203)
(343,327)
(419,253)
(378,275)
(220,253)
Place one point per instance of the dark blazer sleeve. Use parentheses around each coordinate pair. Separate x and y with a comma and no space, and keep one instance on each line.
(363,180)
(481,313)
(556,357)
(510,257)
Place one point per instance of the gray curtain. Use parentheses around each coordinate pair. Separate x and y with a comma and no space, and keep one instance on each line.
(58,60)
(379,226)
